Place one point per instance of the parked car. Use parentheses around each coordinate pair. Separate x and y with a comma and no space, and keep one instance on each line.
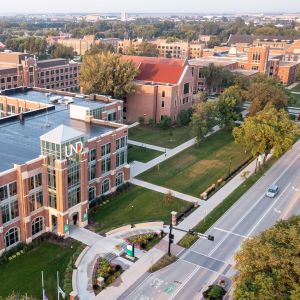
(272,191)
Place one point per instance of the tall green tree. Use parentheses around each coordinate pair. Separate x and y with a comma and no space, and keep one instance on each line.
(228,107)
(213,76)
(268,264)
(61,51)
(264,90)
(268,130)
(203,119)
(108,74)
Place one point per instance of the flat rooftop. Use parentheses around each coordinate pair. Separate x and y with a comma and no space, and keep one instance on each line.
(21,141)
(44,97)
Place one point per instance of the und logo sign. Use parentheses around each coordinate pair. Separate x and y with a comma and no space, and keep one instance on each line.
(73,148)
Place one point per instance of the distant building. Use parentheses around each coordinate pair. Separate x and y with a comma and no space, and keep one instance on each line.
(123,16)
(22,69)
(81,46)
(164,87)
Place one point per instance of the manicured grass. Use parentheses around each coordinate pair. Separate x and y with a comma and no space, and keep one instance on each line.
(188,240)
(23,274)
(135,205)
(195,169)
(141,154)
(167,138)
(296,100)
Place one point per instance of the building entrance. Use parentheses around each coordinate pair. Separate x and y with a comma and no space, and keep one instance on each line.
(75,219)
(54,223)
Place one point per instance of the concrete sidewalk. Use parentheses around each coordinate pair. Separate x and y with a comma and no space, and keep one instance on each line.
(164,190)
(129,277)
(290,87)
(148,146)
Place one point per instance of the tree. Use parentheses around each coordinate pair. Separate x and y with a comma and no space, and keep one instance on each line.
(268,264)
(184,117)
(228,107)
(100,48)
(165,122)
(148,49)
(203,119)
(61,51)
(168,198)
(213,76)
(201,97)
(267,130)
(108,74)
(264,90)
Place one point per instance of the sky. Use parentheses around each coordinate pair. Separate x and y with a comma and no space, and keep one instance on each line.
(106,6)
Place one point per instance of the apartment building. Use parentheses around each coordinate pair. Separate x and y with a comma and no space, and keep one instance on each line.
(72,155)
(166,49)
(164,87)
(82,45)
(21,69)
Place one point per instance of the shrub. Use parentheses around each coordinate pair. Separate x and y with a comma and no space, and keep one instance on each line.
(214,292)
(151,122)
(184,118)
(165,122)
(141,120)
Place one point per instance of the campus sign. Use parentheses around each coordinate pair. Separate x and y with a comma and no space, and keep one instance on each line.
(130,250)
(73,148)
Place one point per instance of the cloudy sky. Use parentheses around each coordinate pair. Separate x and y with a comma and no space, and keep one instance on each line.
(102,6)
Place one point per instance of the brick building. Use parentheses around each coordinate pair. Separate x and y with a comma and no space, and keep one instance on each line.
(21,69)
(164,87)
(72,155)
(81,45)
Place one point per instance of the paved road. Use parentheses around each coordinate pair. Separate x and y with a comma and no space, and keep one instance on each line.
(206,261)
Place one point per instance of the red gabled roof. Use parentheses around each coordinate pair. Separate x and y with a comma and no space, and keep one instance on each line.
(160,70)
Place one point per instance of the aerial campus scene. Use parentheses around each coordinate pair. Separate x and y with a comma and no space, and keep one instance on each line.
(150,150)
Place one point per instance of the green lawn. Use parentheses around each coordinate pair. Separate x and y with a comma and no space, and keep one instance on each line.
(141,154)
(188,240)
(296,101)
(23,274)
(195,169)
(136,205)
(168,138)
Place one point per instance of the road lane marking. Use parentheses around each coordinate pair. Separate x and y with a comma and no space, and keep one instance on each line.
(269,209)
(202,267)
(185,282)
(252,207)
(209,256)
(230,232)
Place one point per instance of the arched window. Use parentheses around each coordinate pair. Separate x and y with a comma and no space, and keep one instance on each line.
(92,193)
(119,179)
(37,225)
(11,237)
(105,186)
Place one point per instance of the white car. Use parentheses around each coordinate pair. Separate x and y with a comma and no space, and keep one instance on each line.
(272,191)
